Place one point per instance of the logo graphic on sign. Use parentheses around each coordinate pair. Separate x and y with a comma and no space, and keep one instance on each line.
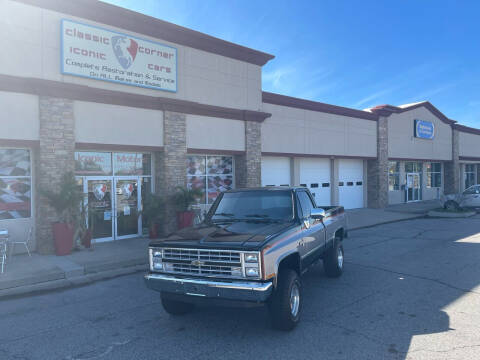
(99,191)
(127,190)
(424,129)
(125,50)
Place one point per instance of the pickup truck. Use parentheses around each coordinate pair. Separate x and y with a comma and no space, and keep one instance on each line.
(251,249)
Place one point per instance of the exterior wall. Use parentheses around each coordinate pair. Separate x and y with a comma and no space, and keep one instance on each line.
(469,144)
(452,168)
(402,143)
(377,169)
(21,113)
(202,77)
(215,133)
(292,130)
(112,124)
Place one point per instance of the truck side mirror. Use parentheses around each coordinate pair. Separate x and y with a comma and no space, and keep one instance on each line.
(317,213)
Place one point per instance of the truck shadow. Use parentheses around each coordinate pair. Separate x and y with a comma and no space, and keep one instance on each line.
(394,299)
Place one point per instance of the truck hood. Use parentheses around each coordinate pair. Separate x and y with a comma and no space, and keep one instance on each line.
(238,234)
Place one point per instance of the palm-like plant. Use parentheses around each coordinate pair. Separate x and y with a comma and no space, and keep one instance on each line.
(184,198)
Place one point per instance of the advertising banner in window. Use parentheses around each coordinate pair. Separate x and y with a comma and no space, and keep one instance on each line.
(93,163)
(98,53)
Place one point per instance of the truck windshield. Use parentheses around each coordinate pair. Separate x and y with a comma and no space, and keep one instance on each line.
(269,205)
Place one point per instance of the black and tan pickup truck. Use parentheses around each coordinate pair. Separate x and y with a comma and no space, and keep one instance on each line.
(252,249)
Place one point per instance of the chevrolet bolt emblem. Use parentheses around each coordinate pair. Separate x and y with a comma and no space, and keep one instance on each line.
(197,263)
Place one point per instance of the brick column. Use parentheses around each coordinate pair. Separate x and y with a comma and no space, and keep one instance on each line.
(248,167)
(452,168)
(377,169)
(55,158)
(170,165)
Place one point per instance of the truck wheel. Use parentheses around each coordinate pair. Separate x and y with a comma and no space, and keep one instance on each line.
(286,302)
(174,307)
(333,261)
(451,205)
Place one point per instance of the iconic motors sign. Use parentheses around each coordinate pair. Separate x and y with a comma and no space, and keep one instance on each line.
(424,129)
(97,53)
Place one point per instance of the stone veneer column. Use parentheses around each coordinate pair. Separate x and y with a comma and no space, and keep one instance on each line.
(55,158)
(248,167)
(171,167)
(452,168)
(377,169)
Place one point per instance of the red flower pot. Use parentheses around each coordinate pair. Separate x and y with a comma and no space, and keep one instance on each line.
(87,239)
(185,219)
(63,237)
(153,232)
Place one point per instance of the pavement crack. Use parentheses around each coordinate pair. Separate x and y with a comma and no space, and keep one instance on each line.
(417,277)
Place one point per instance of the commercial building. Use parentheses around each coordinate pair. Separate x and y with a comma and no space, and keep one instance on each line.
(135,105)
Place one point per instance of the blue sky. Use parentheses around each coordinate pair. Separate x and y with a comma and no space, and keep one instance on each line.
(351,53)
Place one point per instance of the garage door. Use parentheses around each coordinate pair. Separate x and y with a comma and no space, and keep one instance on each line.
(315,175)
(275,171)
(350,183)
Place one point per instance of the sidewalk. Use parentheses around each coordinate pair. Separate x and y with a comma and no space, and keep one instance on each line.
(25,275)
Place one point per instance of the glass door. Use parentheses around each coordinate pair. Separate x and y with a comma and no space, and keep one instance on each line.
(100,201)
(413,187)
(127,210)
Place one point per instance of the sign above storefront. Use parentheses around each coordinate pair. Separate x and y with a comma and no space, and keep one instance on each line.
(97,53)
(424,129)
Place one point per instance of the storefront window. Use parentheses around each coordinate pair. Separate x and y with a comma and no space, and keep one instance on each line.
(210,174)
(470,175)
(413,167)
(93,163)
(132,164)
(15,184)
(434,174)
(393,175)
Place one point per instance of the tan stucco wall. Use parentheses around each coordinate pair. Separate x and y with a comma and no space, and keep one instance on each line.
(19,118)
(32,36)
(402,143)
(112,124)
(469,144)
(292,130)
(215,133)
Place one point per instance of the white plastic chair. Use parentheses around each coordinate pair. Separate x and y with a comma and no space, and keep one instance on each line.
(3,248)
(25,242)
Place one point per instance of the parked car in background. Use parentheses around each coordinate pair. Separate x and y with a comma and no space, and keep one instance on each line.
(251,249)
(470,198)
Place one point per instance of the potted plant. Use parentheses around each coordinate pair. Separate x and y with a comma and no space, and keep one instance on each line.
(66,203)
(84,225)
(153,212)
(183,199)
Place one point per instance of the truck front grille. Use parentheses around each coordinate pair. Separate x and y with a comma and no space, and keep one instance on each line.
(219,263)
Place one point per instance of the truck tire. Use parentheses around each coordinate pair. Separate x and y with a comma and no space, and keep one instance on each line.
(333,261)
(286,302)
(174,307)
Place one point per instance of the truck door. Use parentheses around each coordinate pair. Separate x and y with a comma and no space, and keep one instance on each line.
(313,231)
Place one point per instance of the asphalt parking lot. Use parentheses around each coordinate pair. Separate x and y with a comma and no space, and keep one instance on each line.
(410,291)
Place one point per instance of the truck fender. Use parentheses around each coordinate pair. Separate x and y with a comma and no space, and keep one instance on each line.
(279,261)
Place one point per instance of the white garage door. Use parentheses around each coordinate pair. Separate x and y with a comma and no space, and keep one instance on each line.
(315,175)
(275,171)
(350,183)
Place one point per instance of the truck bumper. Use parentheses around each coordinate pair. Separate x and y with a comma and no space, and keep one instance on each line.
(234,290)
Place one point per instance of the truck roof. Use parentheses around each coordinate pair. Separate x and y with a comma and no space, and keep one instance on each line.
(268,188)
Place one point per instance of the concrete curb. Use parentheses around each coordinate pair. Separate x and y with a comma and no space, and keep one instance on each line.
(69,282)
(416,216)
(451,215)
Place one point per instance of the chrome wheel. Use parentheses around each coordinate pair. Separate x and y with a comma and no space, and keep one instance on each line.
(340,257)
(294,299)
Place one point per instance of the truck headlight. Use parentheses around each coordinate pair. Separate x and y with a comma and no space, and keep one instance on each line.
(251,272)
(251,257)
(156,256)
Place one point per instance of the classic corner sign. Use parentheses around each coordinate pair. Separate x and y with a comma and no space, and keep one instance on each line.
(97,53)
(424,129)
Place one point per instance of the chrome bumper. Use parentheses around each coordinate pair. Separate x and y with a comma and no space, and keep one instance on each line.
(235,290)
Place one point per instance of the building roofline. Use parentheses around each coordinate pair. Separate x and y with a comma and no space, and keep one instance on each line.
(387,110)
(283,100)
(466,129)
(129,20)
